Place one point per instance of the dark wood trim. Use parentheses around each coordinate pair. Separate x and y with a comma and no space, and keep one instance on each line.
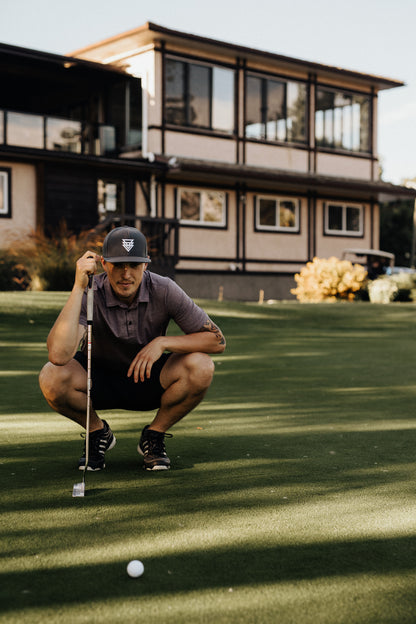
(8,172)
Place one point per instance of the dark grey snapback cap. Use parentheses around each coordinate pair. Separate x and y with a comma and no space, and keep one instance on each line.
(125,244)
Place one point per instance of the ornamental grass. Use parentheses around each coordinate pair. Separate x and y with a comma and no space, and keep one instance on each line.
(42,262)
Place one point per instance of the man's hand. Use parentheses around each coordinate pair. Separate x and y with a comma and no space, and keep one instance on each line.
(86,265)
(141,366)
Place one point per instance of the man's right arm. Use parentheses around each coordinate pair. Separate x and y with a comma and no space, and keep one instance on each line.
(66,333)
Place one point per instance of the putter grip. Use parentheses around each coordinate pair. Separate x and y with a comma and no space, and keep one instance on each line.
(90,298)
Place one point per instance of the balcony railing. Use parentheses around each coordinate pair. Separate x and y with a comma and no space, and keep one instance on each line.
(55,134)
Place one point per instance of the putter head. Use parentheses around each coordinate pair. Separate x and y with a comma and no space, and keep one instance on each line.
(78,489)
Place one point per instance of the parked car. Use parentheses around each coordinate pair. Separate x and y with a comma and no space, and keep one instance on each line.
(401,269)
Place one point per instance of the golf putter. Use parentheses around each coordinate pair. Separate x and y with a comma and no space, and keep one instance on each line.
(79,488)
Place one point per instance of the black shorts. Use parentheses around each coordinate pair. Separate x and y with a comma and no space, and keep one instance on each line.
(111,391)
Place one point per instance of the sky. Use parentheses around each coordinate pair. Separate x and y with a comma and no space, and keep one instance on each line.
(370,36)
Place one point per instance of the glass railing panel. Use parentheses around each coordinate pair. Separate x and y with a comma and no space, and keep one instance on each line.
(25,130)
(63,135)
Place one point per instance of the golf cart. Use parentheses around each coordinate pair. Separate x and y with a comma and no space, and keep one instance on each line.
(375,261)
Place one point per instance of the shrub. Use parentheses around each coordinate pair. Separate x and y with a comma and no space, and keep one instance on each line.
(329,280)
(388,288)
(382,290)
(48,263)
(12,274)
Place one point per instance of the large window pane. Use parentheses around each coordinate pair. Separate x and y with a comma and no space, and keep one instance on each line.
(63,135)
(253,108)
(296,111)
(189,205)
(287,214)
(275,121)
(353,218)
(199,96)
(365,137)
(267,212)
(25,130)
(223,100)
(134,130)
(212,207)
(275,110)
(334,217)
(342,120)
(175,92)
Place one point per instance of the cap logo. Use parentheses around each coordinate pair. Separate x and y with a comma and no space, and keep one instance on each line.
(128,244)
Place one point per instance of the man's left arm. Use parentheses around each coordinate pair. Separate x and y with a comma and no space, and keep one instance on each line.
(209,339)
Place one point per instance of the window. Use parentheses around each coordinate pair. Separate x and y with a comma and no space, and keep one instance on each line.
(275,110)
(125,112)
(199,207)
(342,120)
(199,95)
(63,135)
(344,219)
(25,130)
(110,196)
(279,214)
(5,207)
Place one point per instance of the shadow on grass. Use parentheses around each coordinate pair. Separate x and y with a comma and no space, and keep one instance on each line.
(229,567)
(214,473)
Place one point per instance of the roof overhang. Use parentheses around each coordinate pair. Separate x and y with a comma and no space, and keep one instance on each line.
(132,41)
(256,178)
(10,54)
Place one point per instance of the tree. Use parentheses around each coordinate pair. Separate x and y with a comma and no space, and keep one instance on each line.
(396,229)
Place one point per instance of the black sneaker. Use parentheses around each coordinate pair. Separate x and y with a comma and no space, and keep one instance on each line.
(152,447)
(99,442)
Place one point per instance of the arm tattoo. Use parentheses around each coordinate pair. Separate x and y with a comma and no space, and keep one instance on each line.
(210,326)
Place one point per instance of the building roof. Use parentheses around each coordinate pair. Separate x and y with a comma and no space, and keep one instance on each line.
(151,33)
(11,53)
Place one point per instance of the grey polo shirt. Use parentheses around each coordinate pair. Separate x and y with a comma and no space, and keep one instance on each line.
(120,331)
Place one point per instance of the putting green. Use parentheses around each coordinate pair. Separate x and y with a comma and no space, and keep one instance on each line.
(291,498)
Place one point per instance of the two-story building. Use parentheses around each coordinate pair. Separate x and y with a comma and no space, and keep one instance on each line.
(240,165)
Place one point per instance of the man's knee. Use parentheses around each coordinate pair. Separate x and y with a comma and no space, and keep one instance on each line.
(54,381)
(200,368)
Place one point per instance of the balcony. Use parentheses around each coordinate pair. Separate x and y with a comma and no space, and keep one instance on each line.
(57,134)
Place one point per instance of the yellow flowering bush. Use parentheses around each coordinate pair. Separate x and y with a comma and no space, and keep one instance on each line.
(329,279)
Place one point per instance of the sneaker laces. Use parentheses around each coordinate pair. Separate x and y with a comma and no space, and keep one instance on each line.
(154,442)
(96,440)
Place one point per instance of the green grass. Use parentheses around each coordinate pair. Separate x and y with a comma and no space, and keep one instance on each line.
(292,497)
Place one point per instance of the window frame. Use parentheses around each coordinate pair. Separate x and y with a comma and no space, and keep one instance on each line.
(258,227)
(6,207)
(200,223)
(338,124)
(186,64)
(265,105)
(344,231)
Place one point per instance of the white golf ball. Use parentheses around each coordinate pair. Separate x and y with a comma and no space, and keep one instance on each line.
(135,568)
